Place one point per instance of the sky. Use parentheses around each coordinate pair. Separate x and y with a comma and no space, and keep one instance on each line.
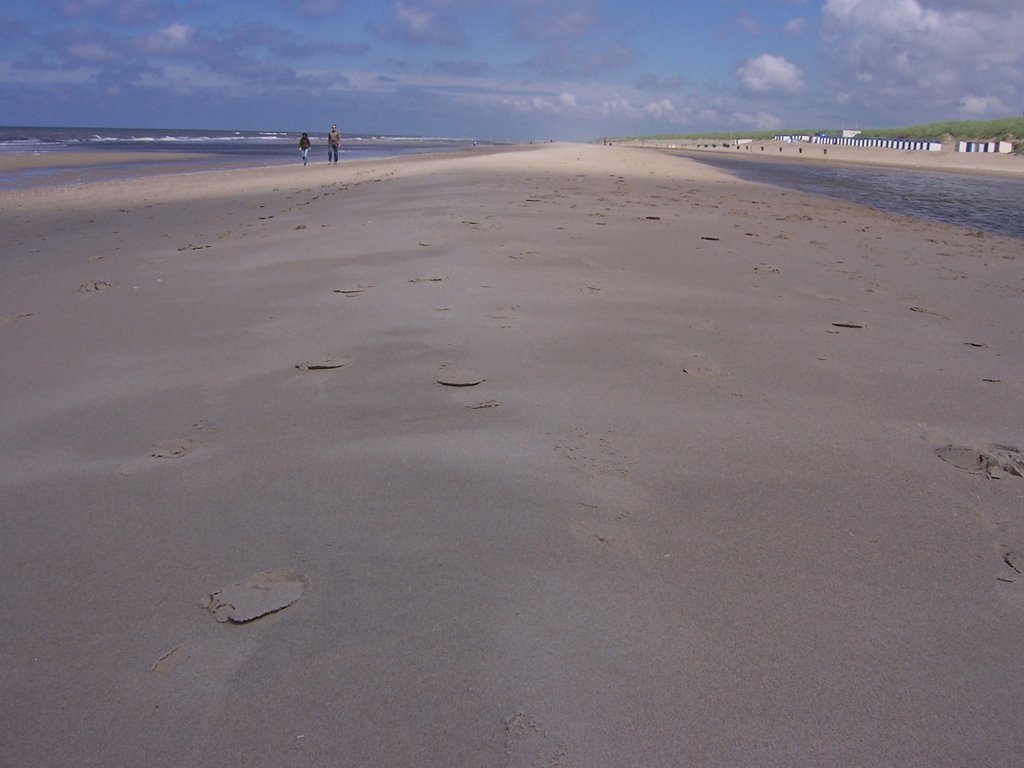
(509,69)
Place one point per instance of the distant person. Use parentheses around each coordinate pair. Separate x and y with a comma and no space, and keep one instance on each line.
(333,142)
(304,145)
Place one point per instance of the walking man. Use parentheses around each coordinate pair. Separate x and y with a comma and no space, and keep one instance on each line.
(333,142)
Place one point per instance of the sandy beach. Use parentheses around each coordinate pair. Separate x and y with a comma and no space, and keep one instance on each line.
(571,455)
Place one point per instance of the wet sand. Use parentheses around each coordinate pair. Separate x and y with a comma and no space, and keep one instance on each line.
(26,170)
(21,161)
(566,456)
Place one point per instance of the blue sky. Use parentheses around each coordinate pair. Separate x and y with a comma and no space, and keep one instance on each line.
(517,69)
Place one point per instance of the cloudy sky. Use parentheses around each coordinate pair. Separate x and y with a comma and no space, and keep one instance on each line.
(518,69)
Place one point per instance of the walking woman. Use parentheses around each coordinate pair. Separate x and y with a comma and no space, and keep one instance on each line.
(304,145)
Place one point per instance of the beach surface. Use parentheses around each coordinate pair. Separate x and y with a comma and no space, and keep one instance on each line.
(565,456)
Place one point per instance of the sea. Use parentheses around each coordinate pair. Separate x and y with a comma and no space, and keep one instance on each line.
(161,150)
(991,204)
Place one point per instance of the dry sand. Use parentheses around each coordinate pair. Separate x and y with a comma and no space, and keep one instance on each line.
(686,509)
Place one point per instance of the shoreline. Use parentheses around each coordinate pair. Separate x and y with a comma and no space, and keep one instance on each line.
(63,158)
(149,179)
(82,167)
(58,168)
(595,459)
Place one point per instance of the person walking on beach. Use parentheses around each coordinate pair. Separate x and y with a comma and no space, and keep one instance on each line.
(304,145)
(333,142)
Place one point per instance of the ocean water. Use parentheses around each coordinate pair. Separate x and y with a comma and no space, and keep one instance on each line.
(992,204)
(208,149)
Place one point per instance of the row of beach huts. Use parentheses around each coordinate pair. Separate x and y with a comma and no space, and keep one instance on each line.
(854,139)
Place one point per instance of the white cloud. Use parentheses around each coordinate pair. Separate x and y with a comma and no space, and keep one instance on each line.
(415,22)
(171,39)
(795,26)
(619,106)
(554,105)
(975,106)
(418,24)
(661,110)
(542,104)
(177,34)
(749,24)
(928,57)
(761,121)
(770,74)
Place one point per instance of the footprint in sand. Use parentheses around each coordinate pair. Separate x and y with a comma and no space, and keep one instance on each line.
(527,743)
(702,372)
(1013,562)
(324,364)
(12,319)
(850,324)
(256,596)
(176,448)
(596,456)
(171,449)
(1010,576)
(926,311)
(94,286)
(354,290)
(166,661)
(993,461)
(506,312)
(457,377)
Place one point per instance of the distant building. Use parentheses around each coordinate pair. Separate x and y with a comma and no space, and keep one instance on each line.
(1000,147)
(877,142)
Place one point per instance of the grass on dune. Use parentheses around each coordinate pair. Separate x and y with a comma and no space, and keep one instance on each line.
(1001,129)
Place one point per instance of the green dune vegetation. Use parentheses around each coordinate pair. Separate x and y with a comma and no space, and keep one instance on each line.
(1002,129)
